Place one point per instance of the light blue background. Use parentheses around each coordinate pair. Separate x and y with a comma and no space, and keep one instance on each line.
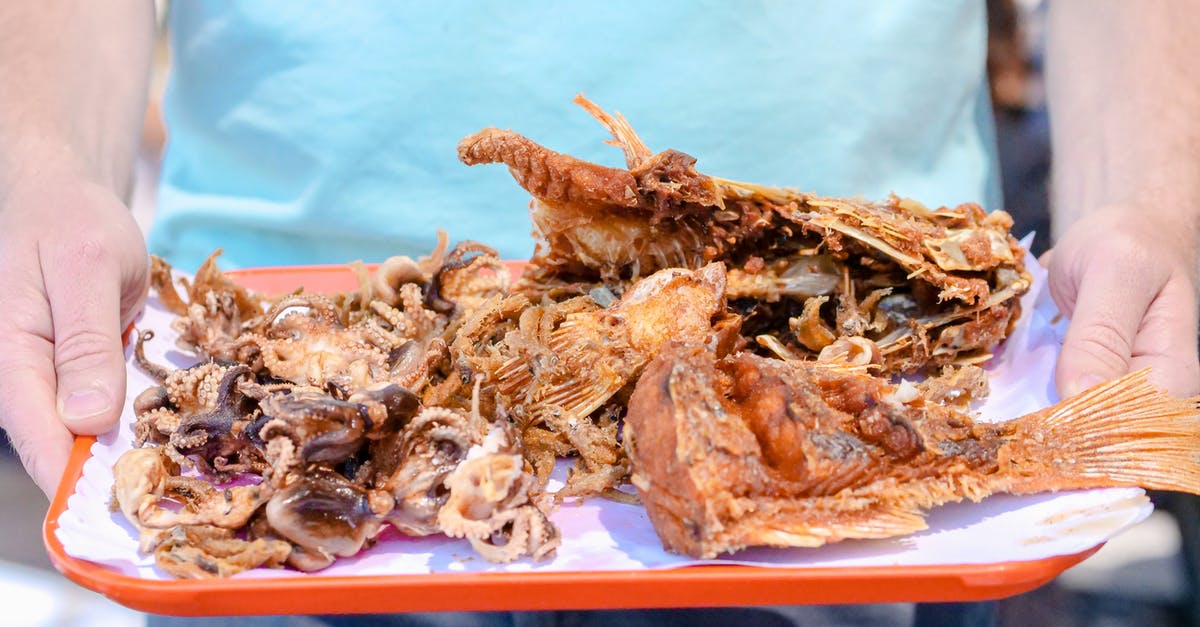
(322,132)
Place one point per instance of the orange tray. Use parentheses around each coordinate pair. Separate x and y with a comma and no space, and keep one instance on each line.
(694,586)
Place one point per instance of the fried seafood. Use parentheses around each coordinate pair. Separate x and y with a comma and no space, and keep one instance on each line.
(200,552)
(563,372)
(324,516)
(187,522)
(215,314)
(746,450)
(436,398)
(489,503)
(315,422)
(930,287)
(413,465)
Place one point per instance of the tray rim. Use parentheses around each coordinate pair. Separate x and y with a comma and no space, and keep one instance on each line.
(692,586)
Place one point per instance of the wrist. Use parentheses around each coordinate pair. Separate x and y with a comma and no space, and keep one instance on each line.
(47,161)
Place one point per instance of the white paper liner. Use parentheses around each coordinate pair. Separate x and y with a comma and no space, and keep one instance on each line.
(603,535)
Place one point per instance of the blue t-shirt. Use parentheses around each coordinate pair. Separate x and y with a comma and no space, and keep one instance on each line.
(323,132)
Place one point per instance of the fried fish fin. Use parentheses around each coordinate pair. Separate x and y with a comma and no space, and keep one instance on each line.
(708,527)
(577,399)
(816,522)
(637,153)
(1125,432)
(582,381)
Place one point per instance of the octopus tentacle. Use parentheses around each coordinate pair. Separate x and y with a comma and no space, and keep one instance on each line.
(156,372)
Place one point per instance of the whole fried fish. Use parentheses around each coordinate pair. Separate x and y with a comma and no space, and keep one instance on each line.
(746,450)
(930,287)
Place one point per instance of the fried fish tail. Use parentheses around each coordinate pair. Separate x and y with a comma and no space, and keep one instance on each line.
(1123,432)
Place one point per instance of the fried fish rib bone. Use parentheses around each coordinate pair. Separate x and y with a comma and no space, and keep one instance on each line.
(597,225)
(750,451)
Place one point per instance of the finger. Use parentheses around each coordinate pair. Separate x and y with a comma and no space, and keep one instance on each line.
(27,405)
(1167,339)
(1107,311)
(1044,260)
(82,282)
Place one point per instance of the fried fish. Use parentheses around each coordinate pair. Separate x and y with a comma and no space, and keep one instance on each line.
(747,451)
(929,286)
(566,380)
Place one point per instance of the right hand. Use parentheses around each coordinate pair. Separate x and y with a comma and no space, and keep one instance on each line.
(1126,277)
(73,274)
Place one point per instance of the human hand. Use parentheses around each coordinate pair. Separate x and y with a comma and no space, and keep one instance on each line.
(1127,279)
(73,274)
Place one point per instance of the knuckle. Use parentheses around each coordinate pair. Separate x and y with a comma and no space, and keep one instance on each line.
(90,251)
(1104,344)
(84,348)
(81,254)
(1123,246)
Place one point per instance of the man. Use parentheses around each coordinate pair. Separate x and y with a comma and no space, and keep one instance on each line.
(296,130)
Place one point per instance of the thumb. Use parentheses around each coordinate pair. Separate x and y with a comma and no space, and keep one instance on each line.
(1108,308)
(84,290)
(26,402)
(1044,260)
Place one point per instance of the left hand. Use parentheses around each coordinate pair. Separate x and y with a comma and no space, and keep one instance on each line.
(1127,279)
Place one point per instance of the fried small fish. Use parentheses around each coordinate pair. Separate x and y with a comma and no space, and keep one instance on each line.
(747,451)
(558,376)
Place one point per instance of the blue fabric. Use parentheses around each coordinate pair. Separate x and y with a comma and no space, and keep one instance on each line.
(322,132)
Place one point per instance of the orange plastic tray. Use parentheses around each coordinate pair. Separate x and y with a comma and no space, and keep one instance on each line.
(697,586)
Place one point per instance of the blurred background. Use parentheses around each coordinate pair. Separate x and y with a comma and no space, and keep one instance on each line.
(1146,576)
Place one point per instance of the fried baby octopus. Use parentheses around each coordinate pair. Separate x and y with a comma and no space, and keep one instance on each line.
(747,451)
(317,421)
(930,287)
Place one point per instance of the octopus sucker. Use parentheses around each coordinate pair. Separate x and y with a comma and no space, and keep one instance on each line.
(740,451)
(311,422)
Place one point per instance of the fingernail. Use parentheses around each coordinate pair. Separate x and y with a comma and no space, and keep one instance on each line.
(85,403)
(1084,382)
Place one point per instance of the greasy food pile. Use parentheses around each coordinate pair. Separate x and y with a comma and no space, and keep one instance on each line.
(731,350)
(315,421)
